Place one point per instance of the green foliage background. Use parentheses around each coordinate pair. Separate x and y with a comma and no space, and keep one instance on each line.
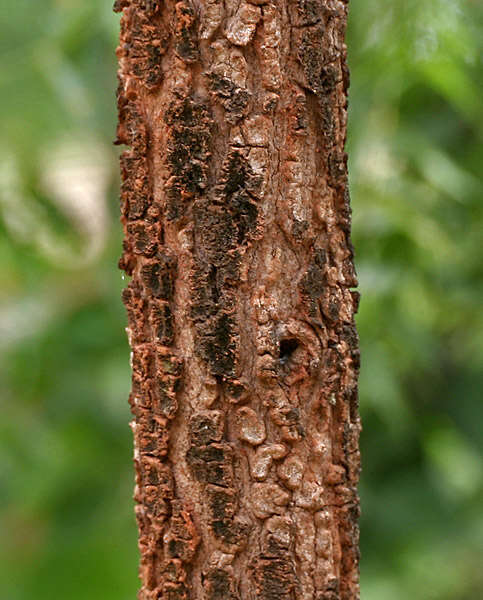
(416,155)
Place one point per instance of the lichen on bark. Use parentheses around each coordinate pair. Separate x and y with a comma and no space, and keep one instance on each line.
(241,302)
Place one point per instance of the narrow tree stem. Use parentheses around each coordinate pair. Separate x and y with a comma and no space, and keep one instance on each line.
(236,215)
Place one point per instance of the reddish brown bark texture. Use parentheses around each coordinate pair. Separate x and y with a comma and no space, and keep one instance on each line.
(244,352)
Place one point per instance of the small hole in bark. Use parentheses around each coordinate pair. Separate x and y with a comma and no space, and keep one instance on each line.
(287,348)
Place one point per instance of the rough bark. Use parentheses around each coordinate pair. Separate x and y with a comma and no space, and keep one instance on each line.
(236,215)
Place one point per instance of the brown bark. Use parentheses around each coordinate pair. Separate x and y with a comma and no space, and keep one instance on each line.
(244,352)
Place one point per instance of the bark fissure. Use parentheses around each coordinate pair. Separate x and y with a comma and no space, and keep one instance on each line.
(241,304)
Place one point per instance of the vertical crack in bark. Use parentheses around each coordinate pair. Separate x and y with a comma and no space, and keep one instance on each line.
(235,208)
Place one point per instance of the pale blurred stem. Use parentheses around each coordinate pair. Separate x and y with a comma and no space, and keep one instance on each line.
(245,357)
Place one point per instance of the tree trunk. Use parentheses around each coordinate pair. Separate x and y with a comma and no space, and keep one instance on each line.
(244,353)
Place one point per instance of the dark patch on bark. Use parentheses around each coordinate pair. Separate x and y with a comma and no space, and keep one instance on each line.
(186,45)
(219,584)
(135,304)
(157,488)
(187,153)
(151,436)
(158,276)
(212,464)
(135,191)
(230,531)
(224,225)
(206,427)
(145,42)
(144,237)
(162,323)
(217,344)
(311,56)
(221,502)
(309,12)
(274,577)
(119,5)
(314,282)
(235,100)
(337,167)
(321,77)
